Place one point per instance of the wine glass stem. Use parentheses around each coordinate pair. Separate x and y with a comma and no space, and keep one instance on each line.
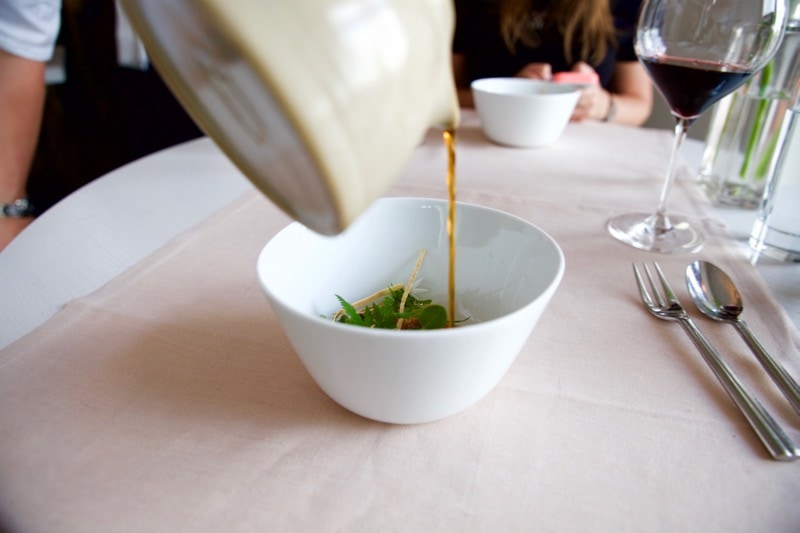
(681,128)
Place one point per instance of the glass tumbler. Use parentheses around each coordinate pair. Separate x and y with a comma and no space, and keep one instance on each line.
(776,231)
(745,127)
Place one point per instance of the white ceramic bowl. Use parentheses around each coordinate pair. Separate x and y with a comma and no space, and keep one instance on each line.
(521,112)
(506,272)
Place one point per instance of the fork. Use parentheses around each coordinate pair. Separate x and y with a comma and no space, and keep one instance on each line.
(668,307)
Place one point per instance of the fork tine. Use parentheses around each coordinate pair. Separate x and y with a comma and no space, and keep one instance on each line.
(653,286)
(664,283)
(642,289)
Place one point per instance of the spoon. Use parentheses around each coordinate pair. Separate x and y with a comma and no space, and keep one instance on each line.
(717,297)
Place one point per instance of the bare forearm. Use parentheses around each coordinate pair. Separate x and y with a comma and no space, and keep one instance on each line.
(633,93)
(632,110)
(22,93)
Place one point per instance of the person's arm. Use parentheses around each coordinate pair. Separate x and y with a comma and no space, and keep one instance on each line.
(533,71)
(628,100)
(22,91)
(632,91)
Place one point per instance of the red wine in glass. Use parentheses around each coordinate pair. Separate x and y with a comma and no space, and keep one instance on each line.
(691,87)
(695,52)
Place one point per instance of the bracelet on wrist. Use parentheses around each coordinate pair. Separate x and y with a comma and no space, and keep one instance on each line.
(612,109)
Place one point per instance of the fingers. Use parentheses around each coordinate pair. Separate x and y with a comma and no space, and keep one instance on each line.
(594,101)
(536,71)
(583,68)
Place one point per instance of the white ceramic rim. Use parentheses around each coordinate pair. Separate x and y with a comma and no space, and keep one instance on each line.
(522,87)
(265,256)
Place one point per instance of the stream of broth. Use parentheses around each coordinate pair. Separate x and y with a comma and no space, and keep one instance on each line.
(450,143)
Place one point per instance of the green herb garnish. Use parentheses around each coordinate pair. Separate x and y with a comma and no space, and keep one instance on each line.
(393,308)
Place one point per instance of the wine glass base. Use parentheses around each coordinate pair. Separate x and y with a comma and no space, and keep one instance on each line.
(647,232)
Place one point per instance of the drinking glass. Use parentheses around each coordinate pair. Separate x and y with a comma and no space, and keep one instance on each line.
(696,52)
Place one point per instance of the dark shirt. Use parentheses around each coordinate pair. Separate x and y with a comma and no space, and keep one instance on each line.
(478,38)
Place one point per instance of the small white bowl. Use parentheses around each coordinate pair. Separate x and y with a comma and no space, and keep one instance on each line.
(521,112)
(506,272)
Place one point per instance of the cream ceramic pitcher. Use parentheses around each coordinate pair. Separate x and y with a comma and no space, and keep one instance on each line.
(318,102)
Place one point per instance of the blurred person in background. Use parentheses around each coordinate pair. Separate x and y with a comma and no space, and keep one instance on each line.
(105,108)
(28,32)
(538,38)
(112,107)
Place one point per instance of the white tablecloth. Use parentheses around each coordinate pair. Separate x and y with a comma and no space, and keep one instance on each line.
(170,400)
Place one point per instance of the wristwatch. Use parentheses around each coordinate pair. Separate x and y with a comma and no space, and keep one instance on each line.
(19,208)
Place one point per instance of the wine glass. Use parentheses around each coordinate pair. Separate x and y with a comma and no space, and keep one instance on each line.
(696,52)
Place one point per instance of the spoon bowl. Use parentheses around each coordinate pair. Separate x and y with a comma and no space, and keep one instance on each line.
(713,291)
(717,297)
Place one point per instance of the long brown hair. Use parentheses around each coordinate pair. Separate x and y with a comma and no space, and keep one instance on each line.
(587,21)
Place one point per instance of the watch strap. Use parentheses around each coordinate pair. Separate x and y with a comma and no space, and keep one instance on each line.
(19,208)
